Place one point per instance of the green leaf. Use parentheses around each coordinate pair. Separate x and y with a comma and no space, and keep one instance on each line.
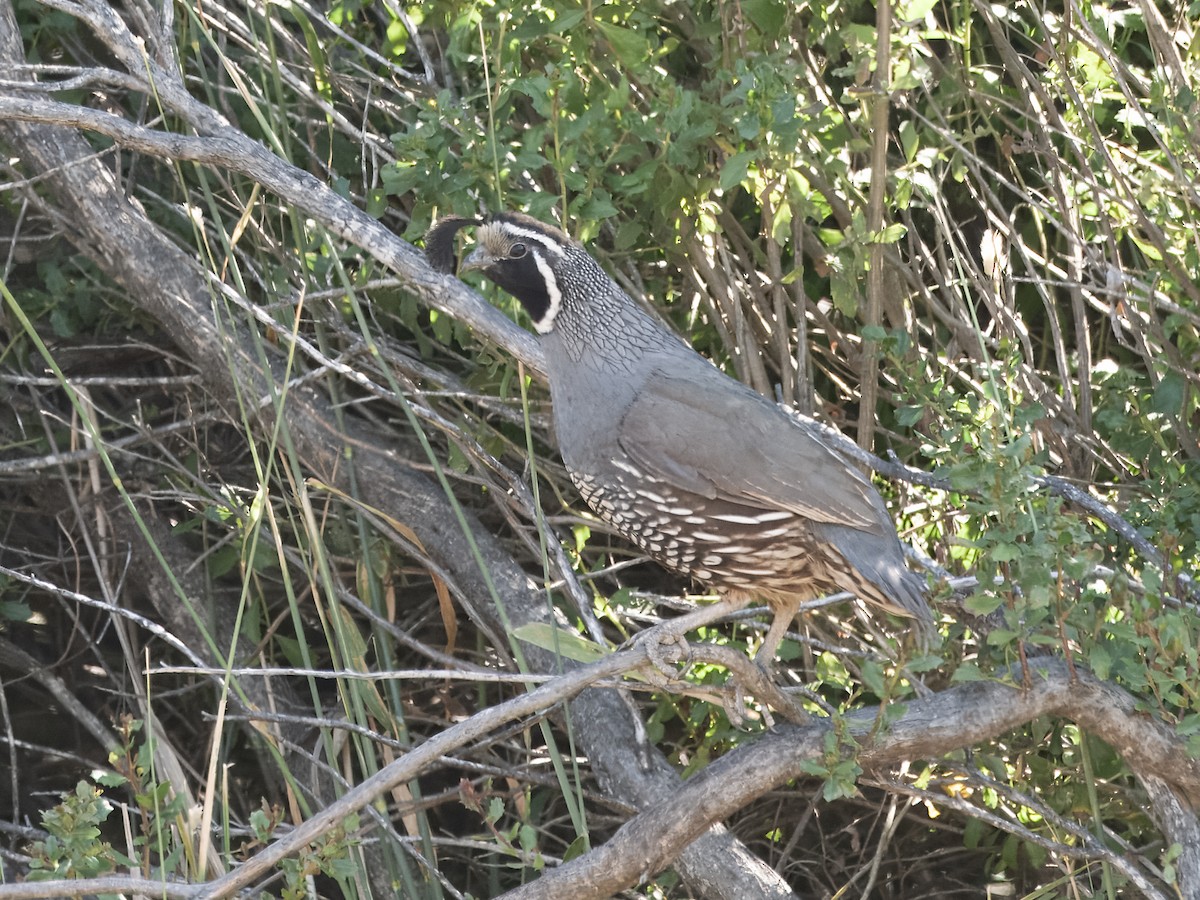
(564,21)
(495,810)
(15,611)
(1005,552)
(528,836)
(909,140)
(598,206)
(967,672)
(631,47)
(843,291)
(842,781)
(913,10)
(872,676)
(973,833)
(261,824)
(1001,636)
(982,604)
(1169,394)
(768,16)
(874,333)
(578,847)
(735,169)
(559,640)
(1150,250)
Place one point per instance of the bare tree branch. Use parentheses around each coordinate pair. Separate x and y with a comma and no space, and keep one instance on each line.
(232,150)
(926,729)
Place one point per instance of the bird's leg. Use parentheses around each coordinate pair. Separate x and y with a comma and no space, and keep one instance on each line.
(784,614)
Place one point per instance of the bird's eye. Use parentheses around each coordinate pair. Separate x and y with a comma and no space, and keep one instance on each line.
(516,251)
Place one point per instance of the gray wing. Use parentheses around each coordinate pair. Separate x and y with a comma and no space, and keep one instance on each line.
(718,439)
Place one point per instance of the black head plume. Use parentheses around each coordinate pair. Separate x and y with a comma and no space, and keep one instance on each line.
(439,243)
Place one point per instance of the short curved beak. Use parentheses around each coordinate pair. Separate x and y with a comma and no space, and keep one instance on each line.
(478,259)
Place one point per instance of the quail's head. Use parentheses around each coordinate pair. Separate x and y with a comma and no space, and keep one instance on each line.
(518,253)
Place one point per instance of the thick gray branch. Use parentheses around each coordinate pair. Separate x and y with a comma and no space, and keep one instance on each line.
(927,729)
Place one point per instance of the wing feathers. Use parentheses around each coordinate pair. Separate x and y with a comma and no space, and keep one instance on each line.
(715,443)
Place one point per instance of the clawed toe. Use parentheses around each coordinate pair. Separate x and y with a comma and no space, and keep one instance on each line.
(665,648)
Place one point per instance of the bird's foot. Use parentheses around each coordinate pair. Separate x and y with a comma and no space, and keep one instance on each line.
(658,639)
(666,648)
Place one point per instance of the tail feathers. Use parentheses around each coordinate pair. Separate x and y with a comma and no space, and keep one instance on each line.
(876,571)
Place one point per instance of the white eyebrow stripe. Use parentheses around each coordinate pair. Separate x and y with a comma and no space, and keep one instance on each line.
(546,322)
(543,240)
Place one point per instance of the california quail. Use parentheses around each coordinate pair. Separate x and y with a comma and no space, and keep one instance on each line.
(699,471)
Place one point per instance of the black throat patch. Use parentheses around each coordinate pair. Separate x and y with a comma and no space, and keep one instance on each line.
(532,285)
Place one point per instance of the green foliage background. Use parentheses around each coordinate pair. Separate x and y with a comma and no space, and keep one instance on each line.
(1039,316)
